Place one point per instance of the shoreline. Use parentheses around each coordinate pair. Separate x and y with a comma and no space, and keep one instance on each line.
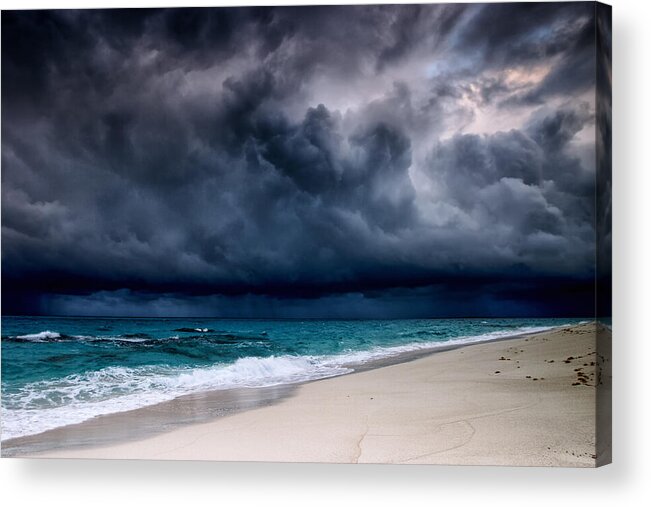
(204,406)
(120,431)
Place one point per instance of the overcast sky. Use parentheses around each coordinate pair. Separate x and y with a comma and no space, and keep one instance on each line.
(366,161)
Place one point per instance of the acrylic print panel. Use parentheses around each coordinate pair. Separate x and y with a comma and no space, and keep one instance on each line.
(324,233)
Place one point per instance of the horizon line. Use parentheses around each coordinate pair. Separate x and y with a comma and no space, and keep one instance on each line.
(304,318)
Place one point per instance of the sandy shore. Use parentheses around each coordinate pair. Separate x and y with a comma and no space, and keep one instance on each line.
(526,401)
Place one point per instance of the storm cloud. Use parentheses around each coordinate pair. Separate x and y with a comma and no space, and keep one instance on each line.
(425,160)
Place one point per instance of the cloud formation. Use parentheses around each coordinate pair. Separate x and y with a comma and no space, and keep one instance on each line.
(299,154)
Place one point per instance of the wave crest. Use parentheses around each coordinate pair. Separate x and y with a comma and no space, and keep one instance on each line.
(42,336)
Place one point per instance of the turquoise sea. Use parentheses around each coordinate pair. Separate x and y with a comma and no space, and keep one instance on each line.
(58,371)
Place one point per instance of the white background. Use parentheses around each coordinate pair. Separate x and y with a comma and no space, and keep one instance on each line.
(628,480)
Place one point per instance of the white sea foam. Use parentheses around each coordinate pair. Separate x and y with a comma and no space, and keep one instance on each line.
(37,337)
(45,405)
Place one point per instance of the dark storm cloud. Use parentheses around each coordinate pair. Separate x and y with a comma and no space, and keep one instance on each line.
(311,156)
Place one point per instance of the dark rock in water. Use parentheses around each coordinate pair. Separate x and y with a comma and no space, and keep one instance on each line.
(194,330)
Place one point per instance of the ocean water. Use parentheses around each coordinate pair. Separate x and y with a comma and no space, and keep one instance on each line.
(61,371)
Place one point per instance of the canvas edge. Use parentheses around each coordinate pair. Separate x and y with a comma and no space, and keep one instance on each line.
(603,203)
